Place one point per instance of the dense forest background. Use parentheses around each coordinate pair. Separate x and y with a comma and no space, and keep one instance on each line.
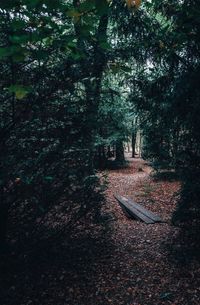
(79,79)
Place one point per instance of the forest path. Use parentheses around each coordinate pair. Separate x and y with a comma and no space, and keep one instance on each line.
(132,263)
(126,262)
(144,268)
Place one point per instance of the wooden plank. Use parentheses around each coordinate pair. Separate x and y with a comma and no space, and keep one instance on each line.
(126,212)
(143,210)
(133,211)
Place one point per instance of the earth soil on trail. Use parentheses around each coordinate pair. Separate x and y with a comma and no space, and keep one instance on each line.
(148,262)
(127,263)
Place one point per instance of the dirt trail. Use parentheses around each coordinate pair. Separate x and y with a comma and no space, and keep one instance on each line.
(144,269)
(127,263)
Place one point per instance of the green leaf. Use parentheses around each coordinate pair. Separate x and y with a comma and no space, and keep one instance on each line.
(126,69)
(76,55)
(19,91)
(32,3)
(102,7)
(73,13)
(85,30)
(87,5)
(18,24)
(72,45)
(17,52)
(18,57)
(19,38)
(41,54)
(105,45)
(4,52)
(9,4)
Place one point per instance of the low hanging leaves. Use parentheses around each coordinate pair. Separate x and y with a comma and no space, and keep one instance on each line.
(19,91)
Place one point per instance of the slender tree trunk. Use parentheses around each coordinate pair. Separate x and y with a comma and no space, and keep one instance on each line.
(133,142)
(93,72)
(120,158)
(140,145)
(134,135)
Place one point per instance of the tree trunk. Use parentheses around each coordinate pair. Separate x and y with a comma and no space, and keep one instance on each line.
(120,152)
(140,145)
(133,143)
(93,73)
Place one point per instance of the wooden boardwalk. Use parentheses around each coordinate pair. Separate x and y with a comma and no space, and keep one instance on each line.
(137,211)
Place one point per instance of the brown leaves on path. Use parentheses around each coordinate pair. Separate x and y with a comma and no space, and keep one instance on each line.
(126,263)
(147,254)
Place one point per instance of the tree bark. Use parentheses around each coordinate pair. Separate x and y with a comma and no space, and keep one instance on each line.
(92,71)
(133,142)
(120,158)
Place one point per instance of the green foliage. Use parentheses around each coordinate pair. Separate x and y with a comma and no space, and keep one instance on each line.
(19,91)
(46,98)
(169,103)
(75,75)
